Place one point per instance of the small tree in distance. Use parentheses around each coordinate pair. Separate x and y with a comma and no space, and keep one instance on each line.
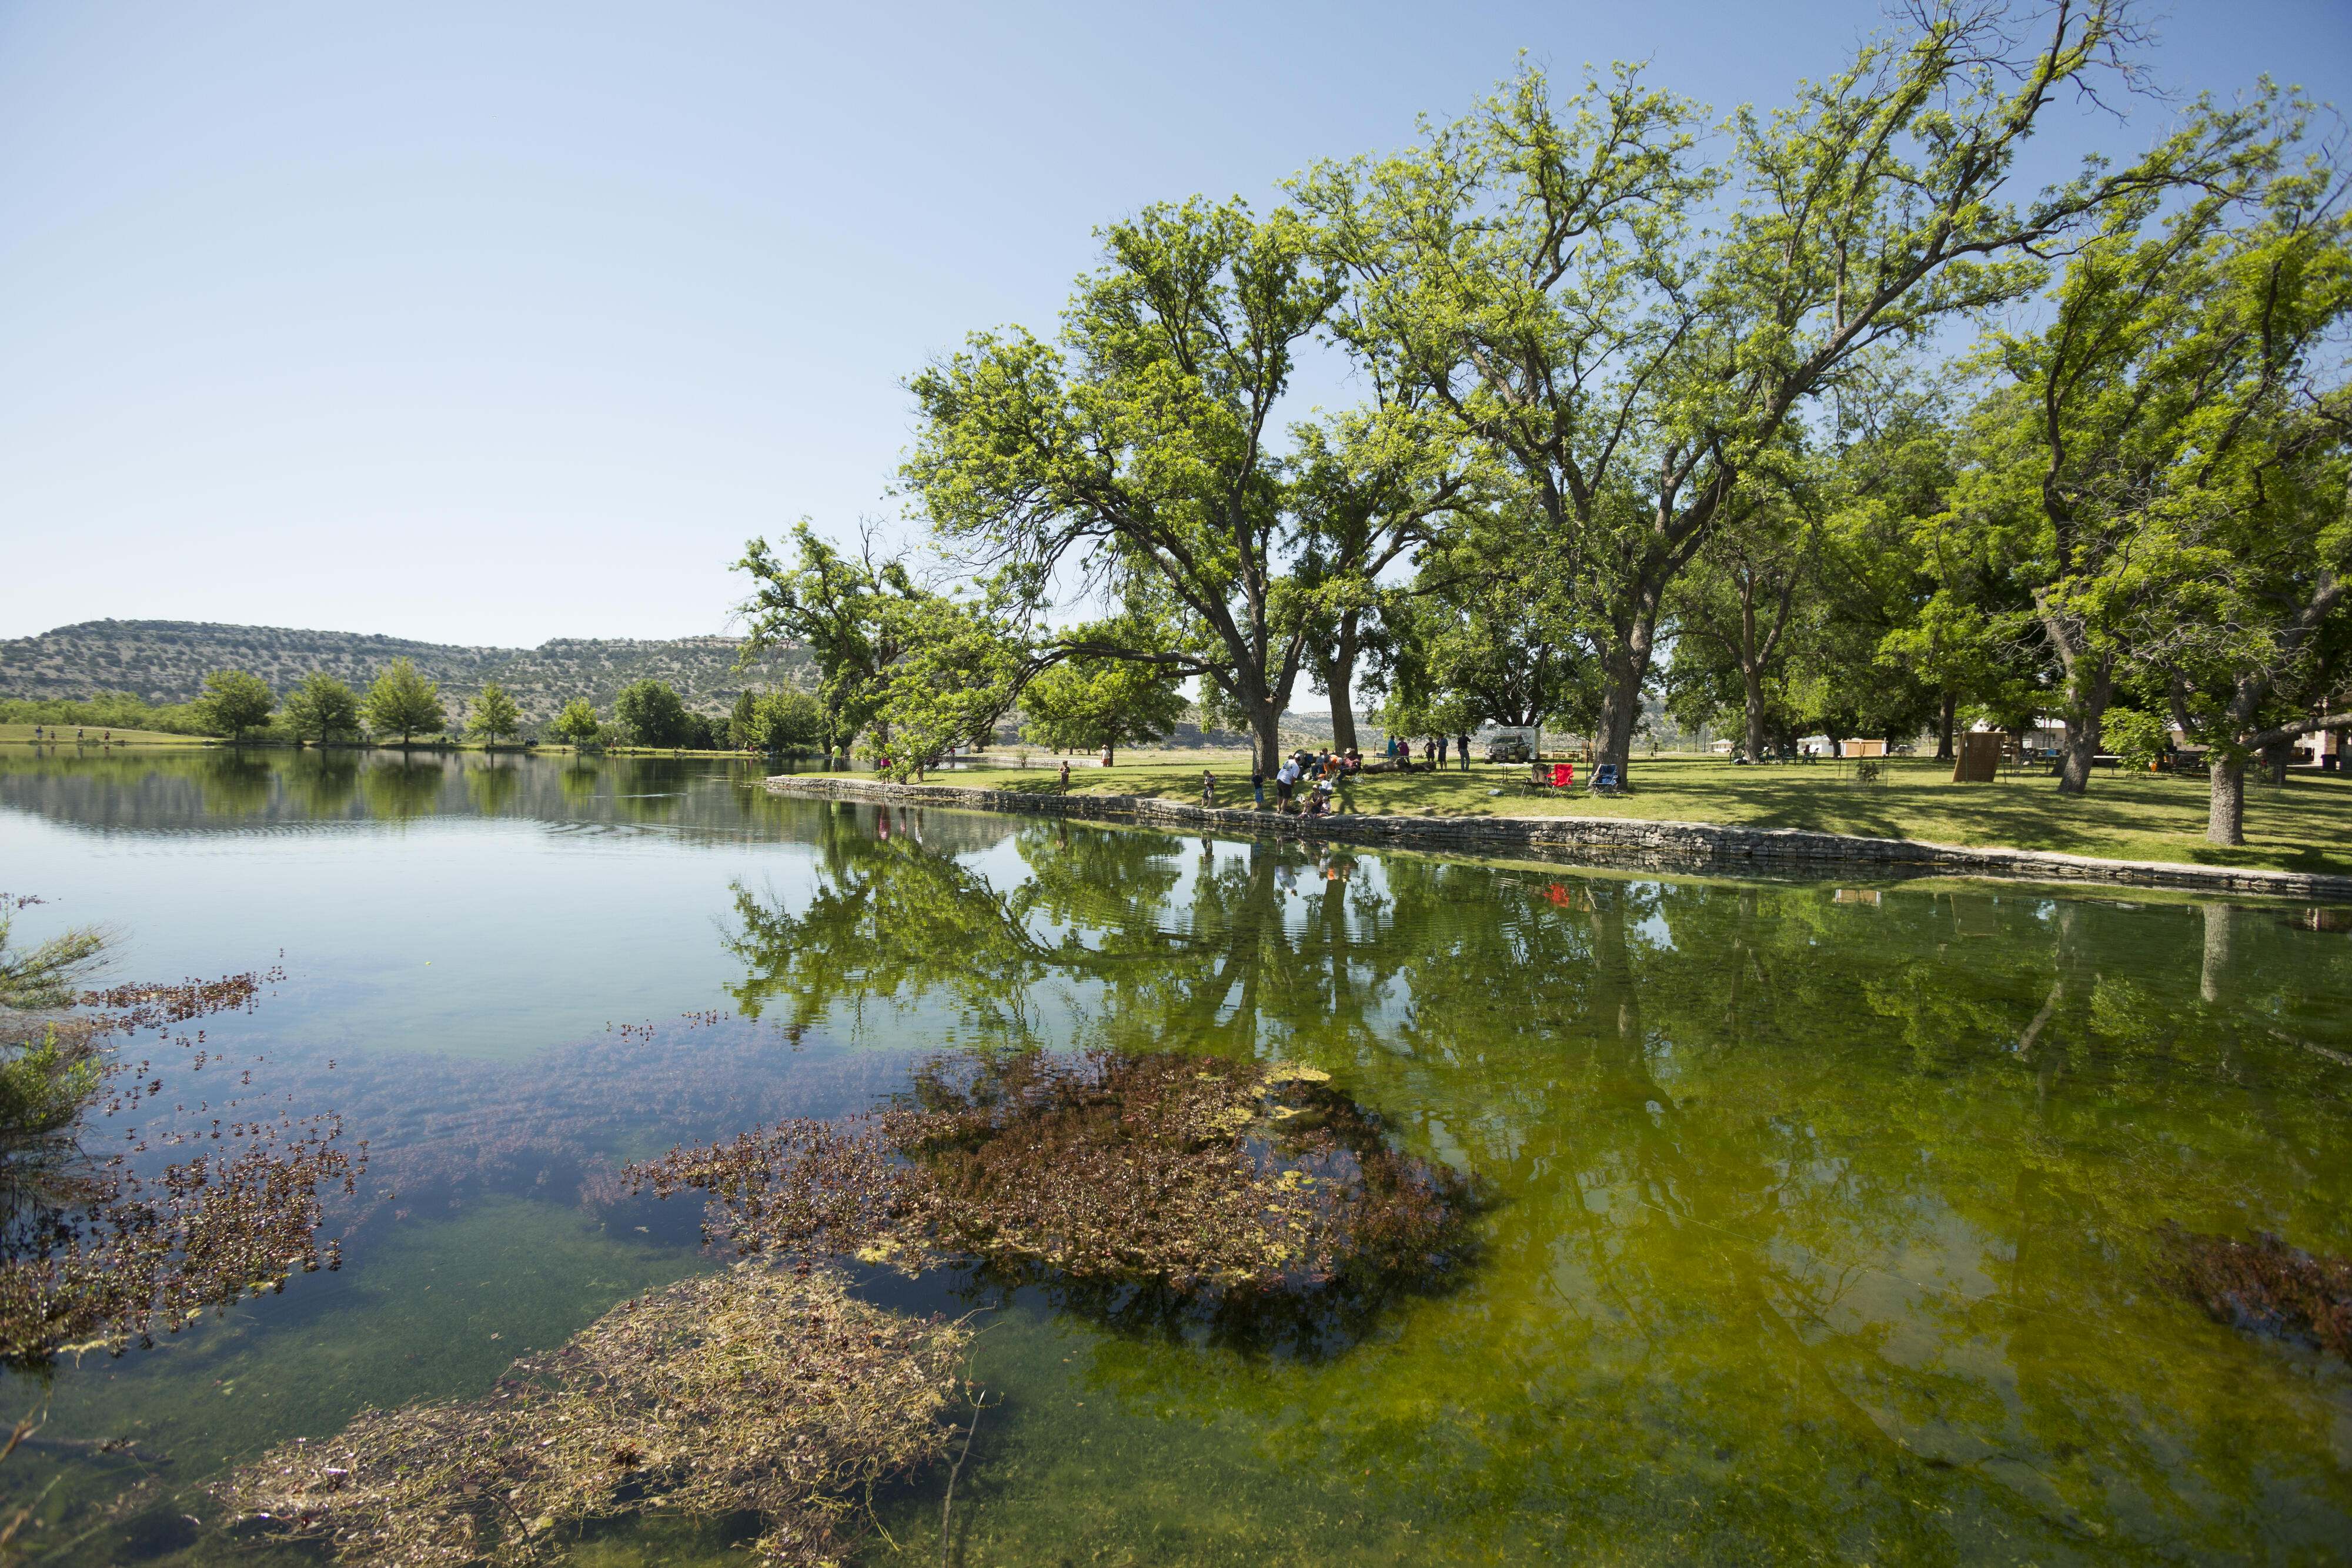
(1091,705)
(577,724)
(495,714)
(235,701)
(790,720)
(404,703)
(322,708)
(650,713)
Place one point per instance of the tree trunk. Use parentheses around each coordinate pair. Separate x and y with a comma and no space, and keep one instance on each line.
(1265,726)
(1339,679)
(1754,679)
(2276,757)
(2225,812)
(1624,669)
(2084,717)
(1944,721)
(2211,974)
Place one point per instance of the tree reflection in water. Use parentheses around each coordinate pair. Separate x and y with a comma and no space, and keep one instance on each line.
(1825,1226)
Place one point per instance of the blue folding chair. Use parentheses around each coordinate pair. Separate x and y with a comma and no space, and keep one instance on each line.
(1606,779)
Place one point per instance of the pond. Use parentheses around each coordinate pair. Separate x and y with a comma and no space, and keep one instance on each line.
(1820,1220)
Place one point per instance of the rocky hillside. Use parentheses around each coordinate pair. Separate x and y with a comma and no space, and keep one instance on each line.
(166,661)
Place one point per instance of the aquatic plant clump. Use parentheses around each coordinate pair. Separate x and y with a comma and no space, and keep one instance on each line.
(128,1257)
(2265,1285)
(757,1390)
(128,1008)
(1201,1175)
(100,1251)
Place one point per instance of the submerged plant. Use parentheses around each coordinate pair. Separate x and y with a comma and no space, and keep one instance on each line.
(2265,1285)
(756,1390)
(1153,1175)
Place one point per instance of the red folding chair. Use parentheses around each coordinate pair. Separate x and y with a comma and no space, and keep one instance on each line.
(1563,775)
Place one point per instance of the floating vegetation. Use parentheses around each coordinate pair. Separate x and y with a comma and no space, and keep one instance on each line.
(98,1253)
(128,1008)
(2264,1286)
(123,1257)
(758,1390)
(1162,1180)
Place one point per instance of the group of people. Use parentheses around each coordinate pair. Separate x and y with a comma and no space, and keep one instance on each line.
(57,736)
(1433,752)
(1316,782)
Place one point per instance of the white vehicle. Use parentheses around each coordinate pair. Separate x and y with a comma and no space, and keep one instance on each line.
(1514,744)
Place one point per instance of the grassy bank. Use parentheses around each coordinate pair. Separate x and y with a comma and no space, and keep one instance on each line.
(2305,826)
(24,733)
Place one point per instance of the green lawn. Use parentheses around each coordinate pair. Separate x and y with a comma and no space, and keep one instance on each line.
(2306,826)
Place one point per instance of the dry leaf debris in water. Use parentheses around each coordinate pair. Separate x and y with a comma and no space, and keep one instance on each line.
(1196,1177)
(2264,1286)
(757,1390)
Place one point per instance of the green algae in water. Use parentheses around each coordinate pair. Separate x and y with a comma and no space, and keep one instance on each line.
(1819,1230)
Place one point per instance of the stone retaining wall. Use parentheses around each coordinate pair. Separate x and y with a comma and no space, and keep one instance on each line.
(1615,840)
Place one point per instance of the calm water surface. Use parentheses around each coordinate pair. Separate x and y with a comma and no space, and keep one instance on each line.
(1822,1215)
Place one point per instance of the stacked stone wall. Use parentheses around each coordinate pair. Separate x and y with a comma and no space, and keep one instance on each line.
(1615,840)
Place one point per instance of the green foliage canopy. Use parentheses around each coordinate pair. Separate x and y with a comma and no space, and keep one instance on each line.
(1137,450)
(495,714)
(234,703)
(851,612)
(1537,266)
(789,719)
(577,724)
(2106,422)
(650,713)
(322,707)
(402,701)
(1088,703)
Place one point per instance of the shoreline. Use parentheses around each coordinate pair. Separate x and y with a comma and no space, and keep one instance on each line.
(1695,845)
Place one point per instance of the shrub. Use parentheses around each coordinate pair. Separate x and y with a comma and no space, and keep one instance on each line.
(103,710)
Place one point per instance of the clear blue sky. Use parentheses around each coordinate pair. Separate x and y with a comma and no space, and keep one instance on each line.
(490,323)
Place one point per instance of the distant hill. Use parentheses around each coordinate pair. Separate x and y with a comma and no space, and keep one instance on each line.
(166,661)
